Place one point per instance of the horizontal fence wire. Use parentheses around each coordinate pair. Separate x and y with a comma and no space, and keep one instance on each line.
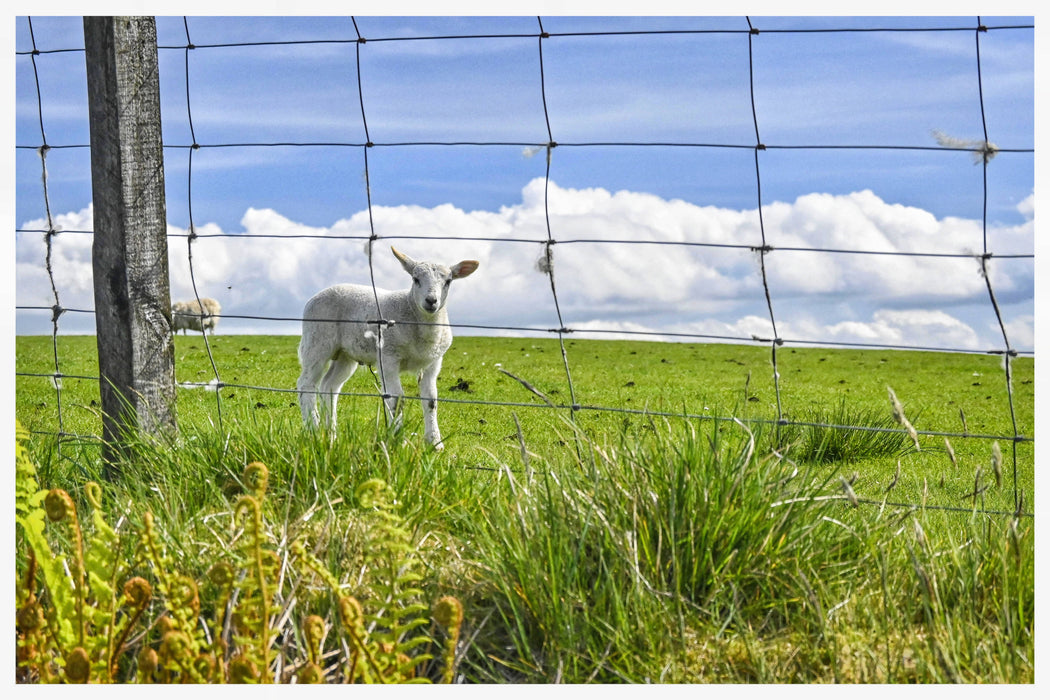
(551,241)
(570,241)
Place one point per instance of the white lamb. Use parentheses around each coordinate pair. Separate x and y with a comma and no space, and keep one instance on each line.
(339,333)
(194,315)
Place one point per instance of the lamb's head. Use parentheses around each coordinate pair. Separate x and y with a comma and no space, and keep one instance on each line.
(430,281)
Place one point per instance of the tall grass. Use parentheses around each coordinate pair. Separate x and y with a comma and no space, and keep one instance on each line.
(610,559)
(676,552)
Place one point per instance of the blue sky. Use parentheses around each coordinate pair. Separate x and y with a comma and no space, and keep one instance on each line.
(814,91)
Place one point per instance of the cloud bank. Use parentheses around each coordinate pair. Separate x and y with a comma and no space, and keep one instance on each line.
(624,263)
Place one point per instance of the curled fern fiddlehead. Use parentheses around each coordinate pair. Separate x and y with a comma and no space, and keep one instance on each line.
(256,478)
(313,631)
(448,612)
(148,663)
(58,506)
(137,594)
(78,666)
(243,670)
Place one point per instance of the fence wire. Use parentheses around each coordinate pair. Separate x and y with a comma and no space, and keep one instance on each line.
(547,263)
(49,235)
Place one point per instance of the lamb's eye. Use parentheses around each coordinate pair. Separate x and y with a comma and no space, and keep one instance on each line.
(448,282)
(416,280)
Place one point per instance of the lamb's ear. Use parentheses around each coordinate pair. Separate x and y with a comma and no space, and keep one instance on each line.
(406,262)
(463,268)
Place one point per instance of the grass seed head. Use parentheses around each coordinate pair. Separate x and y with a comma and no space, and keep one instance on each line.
(898,415)
(920,534)
(896,477)
(997,463)
(848,490)
(951,453)
(898,410)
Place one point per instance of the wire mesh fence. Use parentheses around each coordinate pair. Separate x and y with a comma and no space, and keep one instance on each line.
(533,41)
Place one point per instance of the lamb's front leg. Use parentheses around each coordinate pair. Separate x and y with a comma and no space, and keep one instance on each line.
(390,377)
(428,392)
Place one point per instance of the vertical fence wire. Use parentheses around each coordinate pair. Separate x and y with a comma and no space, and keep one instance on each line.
(380,323)
(49,237)
(765,249)
(548,246)
(986,153)
(194,146)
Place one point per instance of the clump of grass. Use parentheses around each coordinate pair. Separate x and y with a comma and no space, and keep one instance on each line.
(600,566)
(842,435)
(689,554)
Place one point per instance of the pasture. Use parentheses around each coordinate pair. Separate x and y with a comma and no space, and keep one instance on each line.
(596,545)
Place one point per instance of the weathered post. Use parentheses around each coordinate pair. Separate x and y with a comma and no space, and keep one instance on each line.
(136,351)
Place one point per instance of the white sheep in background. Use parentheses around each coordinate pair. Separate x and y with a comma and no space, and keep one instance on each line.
(337,337)
(194,315)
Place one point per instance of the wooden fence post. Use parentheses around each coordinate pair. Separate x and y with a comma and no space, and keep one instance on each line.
(136,351)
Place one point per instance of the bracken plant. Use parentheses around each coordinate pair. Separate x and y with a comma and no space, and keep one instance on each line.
(89,613)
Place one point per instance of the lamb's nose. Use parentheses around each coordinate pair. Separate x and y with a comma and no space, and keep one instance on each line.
(431,301)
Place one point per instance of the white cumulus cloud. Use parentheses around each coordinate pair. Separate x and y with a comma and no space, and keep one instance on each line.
(622,261)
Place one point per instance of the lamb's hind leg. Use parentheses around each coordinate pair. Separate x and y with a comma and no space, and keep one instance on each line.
(339,371)
(307,388)
(314,357)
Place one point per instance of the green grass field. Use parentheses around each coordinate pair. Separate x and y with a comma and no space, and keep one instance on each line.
(626,544)
(939,392)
